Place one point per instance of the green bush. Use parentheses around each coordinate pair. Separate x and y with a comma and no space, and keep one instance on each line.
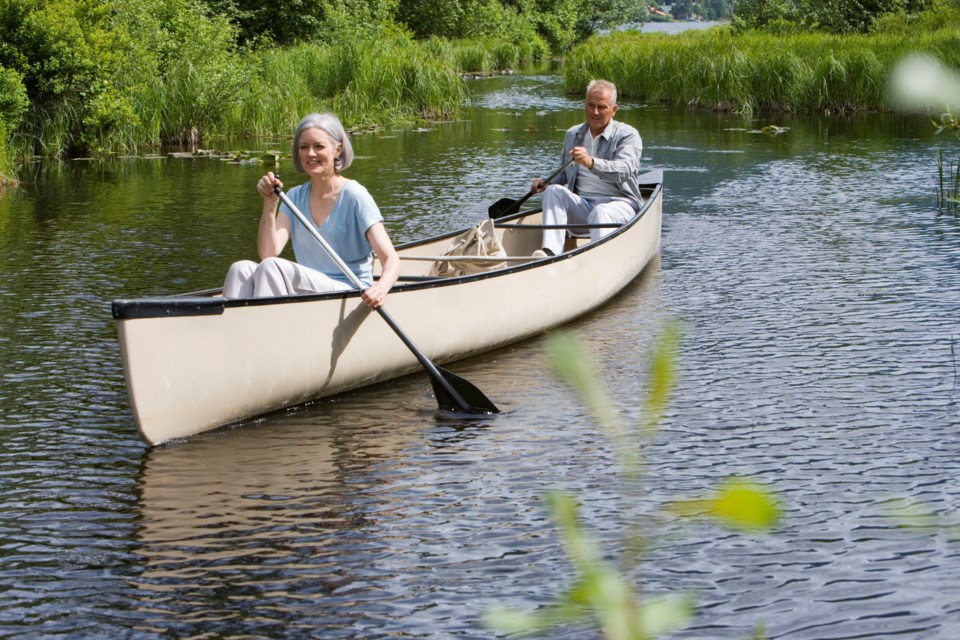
(65,54)
(13,98)
(105,75)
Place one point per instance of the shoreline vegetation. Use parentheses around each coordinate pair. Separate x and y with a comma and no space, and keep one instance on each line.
(102,78)
(728,70)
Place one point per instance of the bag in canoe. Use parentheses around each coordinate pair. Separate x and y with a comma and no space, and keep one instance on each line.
(480,242)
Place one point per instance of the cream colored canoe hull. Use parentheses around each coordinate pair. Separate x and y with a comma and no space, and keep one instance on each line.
(197,362)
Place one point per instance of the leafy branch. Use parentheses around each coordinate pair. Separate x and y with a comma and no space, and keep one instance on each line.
(601,595)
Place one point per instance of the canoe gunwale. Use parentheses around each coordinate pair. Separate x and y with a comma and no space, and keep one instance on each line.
(209,303)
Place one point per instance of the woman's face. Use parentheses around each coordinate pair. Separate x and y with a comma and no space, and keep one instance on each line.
(318,151)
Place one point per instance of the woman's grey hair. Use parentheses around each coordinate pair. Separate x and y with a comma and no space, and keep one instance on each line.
(330,124)
(603,85)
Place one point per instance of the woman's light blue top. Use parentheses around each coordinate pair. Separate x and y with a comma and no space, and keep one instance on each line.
(345,229)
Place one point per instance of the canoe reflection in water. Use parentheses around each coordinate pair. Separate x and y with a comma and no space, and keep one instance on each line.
(270,515)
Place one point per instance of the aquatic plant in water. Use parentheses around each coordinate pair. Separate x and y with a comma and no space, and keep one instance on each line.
(602,594)
(948,195)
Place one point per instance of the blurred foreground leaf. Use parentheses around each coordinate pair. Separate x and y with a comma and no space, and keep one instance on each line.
(600,595)
(737,503)
(662,375)
(912,515)
(572,362)
(745,505)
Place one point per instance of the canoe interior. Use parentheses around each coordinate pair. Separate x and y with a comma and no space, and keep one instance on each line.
(518,242)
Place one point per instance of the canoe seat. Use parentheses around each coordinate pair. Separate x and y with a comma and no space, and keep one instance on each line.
(575,235)
(576,238)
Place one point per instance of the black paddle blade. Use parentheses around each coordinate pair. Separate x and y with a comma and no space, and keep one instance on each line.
(473,397)
(504,207)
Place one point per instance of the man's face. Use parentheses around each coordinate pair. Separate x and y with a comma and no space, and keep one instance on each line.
(599,110)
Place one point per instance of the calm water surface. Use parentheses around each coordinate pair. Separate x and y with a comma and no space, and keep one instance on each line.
(818,291)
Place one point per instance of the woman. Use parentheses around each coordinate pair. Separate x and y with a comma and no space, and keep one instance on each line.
(343,211)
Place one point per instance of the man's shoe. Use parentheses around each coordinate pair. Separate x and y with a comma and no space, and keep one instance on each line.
(539,253)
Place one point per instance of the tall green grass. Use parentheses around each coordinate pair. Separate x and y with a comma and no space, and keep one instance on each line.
(484,56)
(400,81)
(754,71)
(203,98)
(372,84)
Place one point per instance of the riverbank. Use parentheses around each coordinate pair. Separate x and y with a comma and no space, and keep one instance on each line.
(370,85)
(382,78)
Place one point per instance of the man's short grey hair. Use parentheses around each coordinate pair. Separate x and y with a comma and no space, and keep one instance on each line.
(330,124)
(603,85)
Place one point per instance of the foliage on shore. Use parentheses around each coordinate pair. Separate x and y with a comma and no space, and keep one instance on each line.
(97,77)
(556,23)
(825,16)
(758,70)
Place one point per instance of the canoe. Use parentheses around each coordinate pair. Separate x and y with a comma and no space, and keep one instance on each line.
(195,362)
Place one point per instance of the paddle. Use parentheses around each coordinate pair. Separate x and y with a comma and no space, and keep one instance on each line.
(506,206)
(453,392)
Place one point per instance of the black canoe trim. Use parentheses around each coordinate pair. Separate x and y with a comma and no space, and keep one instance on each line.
(180,306)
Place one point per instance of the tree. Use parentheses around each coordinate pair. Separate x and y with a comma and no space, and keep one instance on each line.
(288,22)
(832,16)
(717,9)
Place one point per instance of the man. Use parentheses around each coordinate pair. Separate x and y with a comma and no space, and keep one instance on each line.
(600,185)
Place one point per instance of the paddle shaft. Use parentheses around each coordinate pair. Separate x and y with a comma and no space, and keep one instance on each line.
(347,271)
(504,206)
(553,175)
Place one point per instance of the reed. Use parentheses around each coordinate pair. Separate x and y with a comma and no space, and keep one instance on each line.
(368,85)
(505,55)
(284,85)
(402,81)
(728,71)
(484,56)
(472,56)
(440,49)
(948,195)
(201,90)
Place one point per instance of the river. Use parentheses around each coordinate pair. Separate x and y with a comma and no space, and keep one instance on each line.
(818,292)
